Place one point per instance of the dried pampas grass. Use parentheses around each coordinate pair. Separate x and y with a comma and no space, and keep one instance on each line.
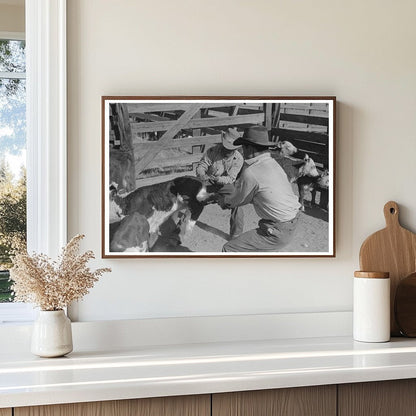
(53,285)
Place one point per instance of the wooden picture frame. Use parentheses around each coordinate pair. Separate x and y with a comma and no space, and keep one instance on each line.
(148,143)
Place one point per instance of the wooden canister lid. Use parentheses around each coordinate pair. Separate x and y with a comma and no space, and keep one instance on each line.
(372,275)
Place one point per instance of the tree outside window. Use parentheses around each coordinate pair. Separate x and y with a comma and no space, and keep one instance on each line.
(12,156)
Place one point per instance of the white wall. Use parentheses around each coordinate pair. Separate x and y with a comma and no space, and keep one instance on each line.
(361,51)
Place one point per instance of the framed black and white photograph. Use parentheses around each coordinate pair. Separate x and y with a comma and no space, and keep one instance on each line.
(218,177)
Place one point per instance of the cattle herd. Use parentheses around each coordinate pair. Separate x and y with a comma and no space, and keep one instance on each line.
(156,217)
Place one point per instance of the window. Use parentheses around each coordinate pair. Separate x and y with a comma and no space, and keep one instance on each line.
(12,155)
(12,165)
(46,133)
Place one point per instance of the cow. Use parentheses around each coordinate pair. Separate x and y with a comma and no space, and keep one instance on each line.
(122,172)
(312,183)
(132,234)
(282,154)
(115,211)
(307,168)
(286,148)
(154,204)
(305,175)
(170,238)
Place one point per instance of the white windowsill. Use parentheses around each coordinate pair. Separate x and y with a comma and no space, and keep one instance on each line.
(16,313)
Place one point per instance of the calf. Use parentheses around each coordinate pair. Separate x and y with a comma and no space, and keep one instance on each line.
(122,172)
(286,148)
(155,204)
(306,168)
(308,178)
(115,211)
(169,239)
(132,234)
(312,184)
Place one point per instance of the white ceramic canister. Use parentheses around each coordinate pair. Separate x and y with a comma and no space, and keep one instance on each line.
(371,310)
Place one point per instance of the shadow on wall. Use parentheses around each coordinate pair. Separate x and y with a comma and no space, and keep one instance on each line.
(344,151)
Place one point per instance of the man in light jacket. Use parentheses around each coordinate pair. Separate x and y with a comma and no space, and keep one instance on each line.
(220,166)
(264,184)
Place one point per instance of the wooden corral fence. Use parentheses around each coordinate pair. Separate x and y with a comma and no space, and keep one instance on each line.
(306,126)
(166,140)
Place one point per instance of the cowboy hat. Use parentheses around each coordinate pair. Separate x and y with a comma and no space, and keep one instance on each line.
(257,136)
(228,138)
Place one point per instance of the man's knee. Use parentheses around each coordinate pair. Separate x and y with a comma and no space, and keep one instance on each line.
(231,246)
(226,247)
(244,242)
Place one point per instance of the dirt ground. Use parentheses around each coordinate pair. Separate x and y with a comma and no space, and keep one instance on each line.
(211,231)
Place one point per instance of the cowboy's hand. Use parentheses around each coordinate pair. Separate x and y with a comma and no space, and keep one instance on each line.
(213,179)
(221,202)
(204,178)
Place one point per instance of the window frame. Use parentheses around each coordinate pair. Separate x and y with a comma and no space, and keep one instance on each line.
(46,138)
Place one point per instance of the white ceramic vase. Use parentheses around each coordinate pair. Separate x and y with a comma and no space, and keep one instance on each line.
(52,334)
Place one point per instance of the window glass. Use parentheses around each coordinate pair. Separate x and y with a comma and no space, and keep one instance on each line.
(12,56)
(12,156)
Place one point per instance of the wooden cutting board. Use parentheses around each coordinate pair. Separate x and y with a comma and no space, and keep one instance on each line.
(393,250)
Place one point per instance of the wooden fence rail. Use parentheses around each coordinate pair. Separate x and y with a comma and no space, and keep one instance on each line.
(162,107)
(198,123)
(183,142)
(175,161)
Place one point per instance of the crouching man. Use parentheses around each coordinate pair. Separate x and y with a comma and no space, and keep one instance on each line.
(264,184)
(220,166)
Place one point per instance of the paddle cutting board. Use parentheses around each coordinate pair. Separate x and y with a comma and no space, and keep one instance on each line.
(393,250)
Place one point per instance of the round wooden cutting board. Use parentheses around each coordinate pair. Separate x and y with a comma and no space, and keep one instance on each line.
(405,306)
(393,250)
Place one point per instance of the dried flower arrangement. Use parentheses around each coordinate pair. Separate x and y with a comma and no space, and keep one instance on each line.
(53,285)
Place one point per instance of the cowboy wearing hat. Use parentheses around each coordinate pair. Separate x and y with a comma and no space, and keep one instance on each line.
(220,166)
(264,184)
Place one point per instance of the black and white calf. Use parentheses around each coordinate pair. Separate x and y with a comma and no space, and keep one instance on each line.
(135,219)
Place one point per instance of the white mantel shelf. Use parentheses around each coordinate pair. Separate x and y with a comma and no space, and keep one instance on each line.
(151,371)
